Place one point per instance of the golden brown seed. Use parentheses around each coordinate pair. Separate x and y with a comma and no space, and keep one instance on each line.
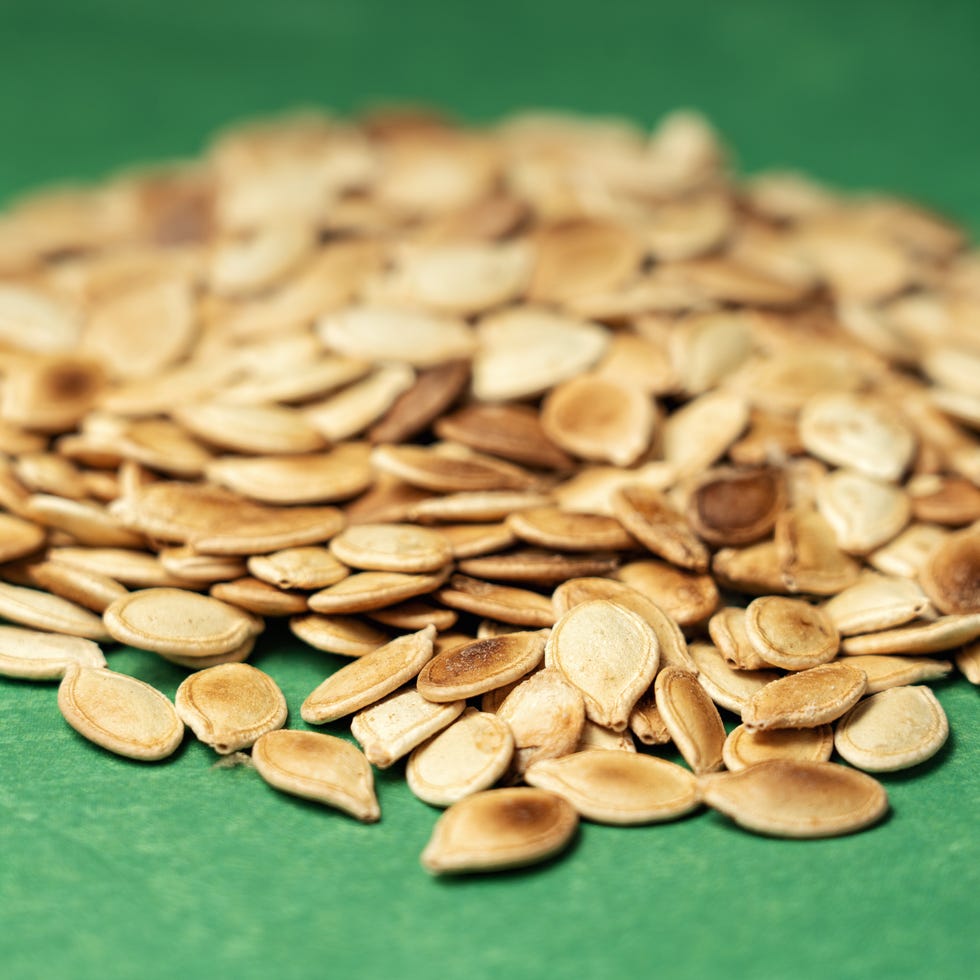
(499,828)
(618,787)
(691,718)
(650,518)
(369,678)
(178,622)
(519,606)
(88,589)
(790,798)
(700,432)
(415,615)
(298,568)
(50,613)
(398,723)
(259,597)
(312,478)
(945,633)
(481,665)
(229,706)
(470,540)
(185,567)
(727,631)
(19,537)
(735,507)
(374,590)
(344,635)
(88,523)
(546,715)
(446,472)
(489,505)
(536,566)
(598,418)
(968,662)
(876,602)
(754,570)
(551,527)
(37,656)
(646,722)
(790,633)
(727,687)
(907,554)
(686,597)
(465,758)
(884,672)
(894,729)
(951,501)
(808,555)
(951,576)
(119,713)
(391,548)
(318,767)
(805,699)
(744,748)
(609,653)
(258,429)
(865,513)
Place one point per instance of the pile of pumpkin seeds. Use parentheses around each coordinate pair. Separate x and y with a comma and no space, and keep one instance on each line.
(571,441)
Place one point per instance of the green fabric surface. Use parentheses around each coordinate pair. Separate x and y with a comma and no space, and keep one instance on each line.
(111,868)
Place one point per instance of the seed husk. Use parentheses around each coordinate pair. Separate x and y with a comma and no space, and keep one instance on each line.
(892,730)
(500,828)
(259,597)
(736,507)
(480,665)
(790,633)
(691,718)
(374,590)
(391,548)
(805,699)
(744,748)
(119,713)
(951,575)
(650,518)
(369,678)
(884,672)
(506,603)
(546,715)
(178,622)
(311,567)
(618,787)
(312,478)
(465,758)
(791,798)
(229,706)
(727,687)
(945,633)
(398,723)
(318,767)
(609,653)
(36,656)
(598,418)
(344,635)
(49,613)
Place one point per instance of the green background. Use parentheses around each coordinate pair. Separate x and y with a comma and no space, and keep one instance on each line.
(111,868)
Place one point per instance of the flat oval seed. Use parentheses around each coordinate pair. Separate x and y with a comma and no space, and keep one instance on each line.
(744,748)
(500,828)
(398,723)
(369,678)
(790,633)
(546,715)
(119,713)
(876,602)
(345,635)
(465,758)
(298,568)
(519,606)
(884,672)
(318,767)
(391,548)
(727,631)
(49,613)
(727,687)
(688,598)
(618,787)
(788,798)
(894,729)
(36,656)
(691,718)
(481,665)
(806,699)
(649,517)
(255,429)
(735,507)
(864,513)
(229,706)
(19,537)
(609,653)
(374,590)
(605,739)
(951,576)
(550,527)
(945,633)
(178,622)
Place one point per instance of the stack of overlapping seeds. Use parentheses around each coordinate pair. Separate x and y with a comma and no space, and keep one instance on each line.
(566,437)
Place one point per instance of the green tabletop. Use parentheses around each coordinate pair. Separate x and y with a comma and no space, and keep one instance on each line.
(111,868)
